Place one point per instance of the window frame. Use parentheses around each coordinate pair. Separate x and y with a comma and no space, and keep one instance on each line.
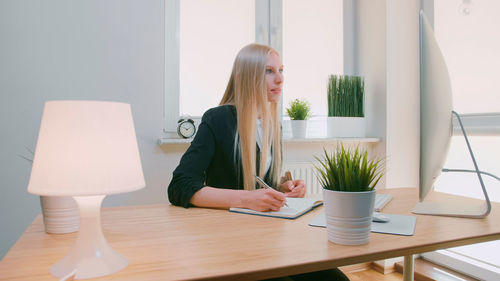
(478,124)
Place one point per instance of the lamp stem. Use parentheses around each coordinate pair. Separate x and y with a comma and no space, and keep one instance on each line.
(91,255)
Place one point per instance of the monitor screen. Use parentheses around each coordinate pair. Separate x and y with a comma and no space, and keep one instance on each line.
(435,108)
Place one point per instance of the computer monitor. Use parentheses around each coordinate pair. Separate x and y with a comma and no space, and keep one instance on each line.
(436,127)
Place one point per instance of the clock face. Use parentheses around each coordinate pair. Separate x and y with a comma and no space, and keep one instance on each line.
(186,129)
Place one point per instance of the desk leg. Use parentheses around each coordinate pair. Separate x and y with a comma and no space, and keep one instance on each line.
(408,268)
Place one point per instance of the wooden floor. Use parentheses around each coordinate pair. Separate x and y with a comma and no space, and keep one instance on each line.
(373,275)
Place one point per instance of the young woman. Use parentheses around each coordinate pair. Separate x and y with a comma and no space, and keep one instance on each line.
(237,140)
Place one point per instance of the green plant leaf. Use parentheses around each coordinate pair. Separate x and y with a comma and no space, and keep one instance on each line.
(345,96)
(299,110)
(348,170)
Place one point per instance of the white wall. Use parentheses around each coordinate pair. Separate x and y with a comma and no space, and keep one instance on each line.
(386,53)
(94,49)
(369,60)
(403,93)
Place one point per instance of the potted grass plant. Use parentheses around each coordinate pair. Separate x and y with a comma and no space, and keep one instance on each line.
(345,106)
(299,111)
(348,178)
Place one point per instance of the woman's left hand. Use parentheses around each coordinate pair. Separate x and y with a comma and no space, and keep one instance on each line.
(295,188)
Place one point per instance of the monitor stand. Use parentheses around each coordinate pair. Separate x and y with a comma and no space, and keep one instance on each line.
(458,209)
(462,209)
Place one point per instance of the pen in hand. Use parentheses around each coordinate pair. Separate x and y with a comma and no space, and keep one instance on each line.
(265,185)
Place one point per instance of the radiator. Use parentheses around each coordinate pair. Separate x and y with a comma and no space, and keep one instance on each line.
(304,171)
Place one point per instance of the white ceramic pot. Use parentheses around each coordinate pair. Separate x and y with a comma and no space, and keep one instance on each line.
(348,216)
(60,214)
(345,127)
(299,128)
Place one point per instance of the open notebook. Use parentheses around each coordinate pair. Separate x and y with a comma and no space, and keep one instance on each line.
(296,208)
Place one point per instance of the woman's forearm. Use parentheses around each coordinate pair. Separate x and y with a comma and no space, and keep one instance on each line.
(264,199)
(219,198)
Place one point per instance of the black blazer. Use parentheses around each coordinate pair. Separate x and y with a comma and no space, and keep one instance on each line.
(210,159)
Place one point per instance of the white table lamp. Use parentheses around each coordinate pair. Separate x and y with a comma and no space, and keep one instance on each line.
(87,149)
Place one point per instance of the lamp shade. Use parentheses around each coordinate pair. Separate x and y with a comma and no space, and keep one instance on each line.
(86,148)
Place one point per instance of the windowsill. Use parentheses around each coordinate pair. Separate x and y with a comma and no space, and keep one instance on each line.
(326,139)
(316,133)
(176,141)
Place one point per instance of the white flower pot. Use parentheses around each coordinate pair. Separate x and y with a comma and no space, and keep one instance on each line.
(299,128)
(348,216)
(345,127)
(60,214)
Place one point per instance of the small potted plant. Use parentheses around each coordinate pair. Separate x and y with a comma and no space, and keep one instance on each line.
(299,111)
(348,178)
(346,106)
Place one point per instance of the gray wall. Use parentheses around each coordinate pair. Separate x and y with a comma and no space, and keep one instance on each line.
(67,49)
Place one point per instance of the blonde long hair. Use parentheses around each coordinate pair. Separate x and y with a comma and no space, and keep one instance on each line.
(247,91)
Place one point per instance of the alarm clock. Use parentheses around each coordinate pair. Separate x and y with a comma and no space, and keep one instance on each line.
(186,128)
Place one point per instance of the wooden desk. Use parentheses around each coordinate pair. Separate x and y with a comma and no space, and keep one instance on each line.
(164,242)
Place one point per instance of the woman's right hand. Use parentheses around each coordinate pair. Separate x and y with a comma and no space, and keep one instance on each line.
(264,200)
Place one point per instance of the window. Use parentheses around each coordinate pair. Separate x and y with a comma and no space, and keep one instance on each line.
(211,34)
(202,38)
(312,50)
(464,31)
(471,52)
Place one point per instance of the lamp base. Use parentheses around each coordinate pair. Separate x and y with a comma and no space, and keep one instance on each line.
(91,256)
